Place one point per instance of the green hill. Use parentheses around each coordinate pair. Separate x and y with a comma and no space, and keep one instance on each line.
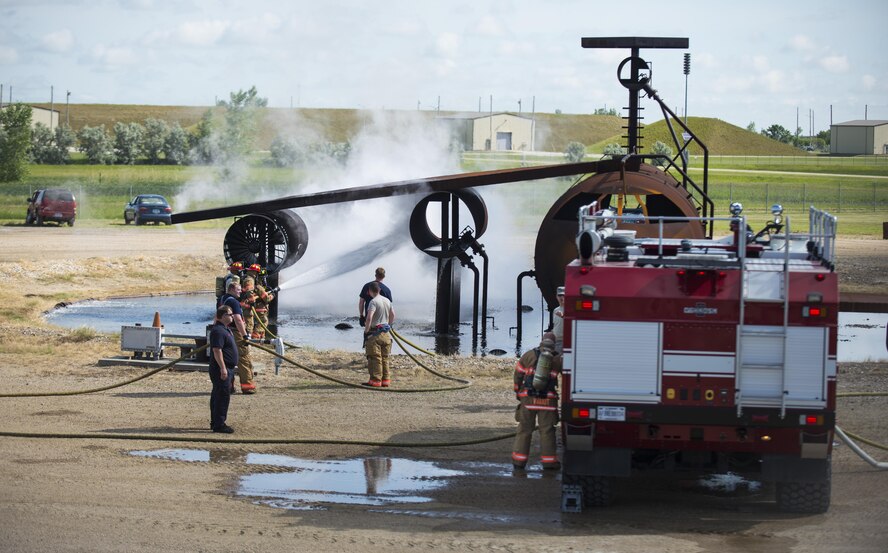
(553,131)
(721,138)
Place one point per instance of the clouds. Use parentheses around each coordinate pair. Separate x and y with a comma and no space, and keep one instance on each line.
(59,41)
(200,33)
(8,55)
(835,64)
(401,53)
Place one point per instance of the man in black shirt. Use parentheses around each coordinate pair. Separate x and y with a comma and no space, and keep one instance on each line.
(364,296)
(223,360)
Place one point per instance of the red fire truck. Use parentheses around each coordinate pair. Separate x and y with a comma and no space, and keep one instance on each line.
(707,355)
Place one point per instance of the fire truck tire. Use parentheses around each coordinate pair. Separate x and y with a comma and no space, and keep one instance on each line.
(804,497)
(596,489)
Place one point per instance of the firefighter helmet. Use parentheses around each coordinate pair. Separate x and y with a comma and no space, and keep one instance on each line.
(255,268)
(236,267)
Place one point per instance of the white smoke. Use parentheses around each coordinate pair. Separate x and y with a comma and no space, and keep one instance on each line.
(348,241)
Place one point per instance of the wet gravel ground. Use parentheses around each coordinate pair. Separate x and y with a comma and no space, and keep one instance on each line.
(91,494)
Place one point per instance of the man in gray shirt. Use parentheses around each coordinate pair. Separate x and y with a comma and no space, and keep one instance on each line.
(377,331)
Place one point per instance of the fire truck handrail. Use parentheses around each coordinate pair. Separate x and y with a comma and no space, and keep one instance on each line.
(822,229)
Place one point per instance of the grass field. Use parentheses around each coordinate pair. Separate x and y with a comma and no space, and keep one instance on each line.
(745,166)
(860,201)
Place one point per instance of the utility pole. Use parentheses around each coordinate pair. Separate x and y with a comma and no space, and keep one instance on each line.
(67,103)
(687,71)
(479,104)
(490,118)
(519,106)
(438,109)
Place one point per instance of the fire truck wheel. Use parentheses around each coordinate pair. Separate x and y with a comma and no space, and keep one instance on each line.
(804,497)
(596,489)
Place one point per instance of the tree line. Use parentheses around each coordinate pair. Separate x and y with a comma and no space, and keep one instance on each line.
(153,141)
(818,142)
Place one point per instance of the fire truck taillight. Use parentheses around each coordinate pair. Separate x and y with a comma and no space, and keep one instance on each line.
(581,413)
(811,420)
(811,311)
(819,277)
(588,305)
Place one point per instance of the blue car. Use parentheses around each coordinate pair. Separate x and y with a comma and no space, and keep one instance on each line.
(147,208)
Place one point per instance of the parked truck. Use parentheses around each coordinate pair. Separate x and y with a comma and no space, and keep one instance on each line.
(701,355)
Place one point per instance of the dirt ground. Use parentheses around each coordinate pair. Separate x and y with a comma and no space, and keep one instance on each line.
(87,493)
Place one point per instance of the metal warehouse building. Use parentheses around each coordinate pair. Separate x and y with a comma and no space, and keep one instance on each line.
(861,136)
(49,117)
(494,131)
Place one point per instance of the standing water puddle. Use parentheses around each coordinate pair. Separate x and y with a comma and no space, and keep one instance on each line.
(372,481)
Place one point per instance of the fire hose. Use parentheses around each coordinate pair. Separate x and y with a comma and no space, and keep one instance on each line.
(213,439)
(844,436)
(400,340)
(847,436)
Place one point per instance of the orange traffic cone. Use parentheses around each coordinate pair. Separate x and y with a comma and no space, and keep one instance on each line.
(156,322)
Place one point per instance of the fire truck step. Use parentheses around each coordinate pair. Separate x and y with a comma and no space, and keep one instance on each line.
(763,366)
(752,333)
(571,498)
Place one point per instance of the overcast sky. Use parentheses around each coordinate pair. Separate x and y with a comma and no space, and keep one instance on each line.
(752,61)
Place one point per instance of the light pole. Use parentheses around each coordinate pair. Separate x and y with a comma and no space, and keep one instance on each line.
(687,71)
(67,101)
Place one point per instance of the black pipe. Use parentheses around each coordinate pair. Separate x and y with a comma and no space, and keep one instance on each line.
(271,283)
(466,261)
(483,255)
(445,183)
(530,273)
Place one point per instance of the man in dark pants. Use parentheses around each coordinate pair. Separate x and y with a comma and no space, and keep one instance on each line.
(223,360)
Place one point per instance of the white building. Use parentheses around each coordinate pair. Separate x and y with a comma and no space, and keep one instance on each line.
(493,131)
(50,118)
(861,136)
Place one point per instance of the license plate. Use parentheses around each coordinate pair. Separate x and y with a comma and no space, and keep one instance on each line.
(58,215)
(611,413)
(155,211)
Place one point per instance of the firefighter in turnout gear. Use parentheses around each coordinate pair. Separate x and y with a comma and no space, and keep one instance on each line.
(222,282)
(536,384)
(247,301)
(262,299)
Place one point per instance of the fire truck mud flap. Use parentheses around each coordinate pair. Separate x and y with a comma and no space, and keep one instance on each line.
(599,462)
(786,468)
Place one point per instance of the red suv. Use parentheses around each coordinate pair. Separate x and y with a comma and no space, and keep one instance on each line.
(51,204)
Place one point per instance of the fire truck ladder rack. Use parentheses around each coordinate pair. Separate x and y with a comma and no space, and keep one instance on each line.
(767,292)
(764,282)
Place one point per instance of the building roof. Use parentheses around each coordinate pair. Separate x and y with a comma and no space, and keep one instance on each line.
(479,115)
(33,108)
(862,123)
